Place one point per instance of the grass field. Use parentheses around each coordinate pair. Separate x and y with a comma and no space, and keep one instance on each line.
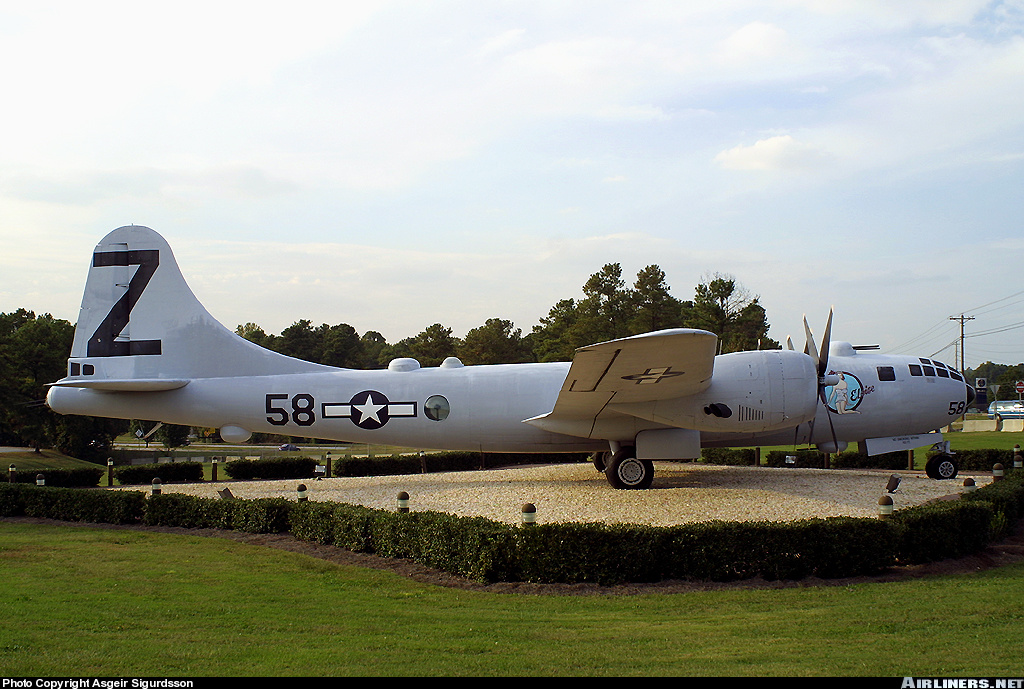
(92,602)
(80,601)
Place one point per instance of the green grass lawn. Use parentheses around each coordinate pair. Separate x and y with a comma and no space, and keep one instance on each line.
(94,602)
(100,602)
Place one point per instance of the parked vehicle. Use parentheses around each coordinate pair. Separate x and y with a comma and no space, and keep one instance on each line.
(1006,409)
(288,447)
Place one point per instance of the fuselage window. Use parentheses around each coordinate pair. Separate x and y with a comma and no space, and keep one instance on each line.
(915,370)
(886,373)
(437,408)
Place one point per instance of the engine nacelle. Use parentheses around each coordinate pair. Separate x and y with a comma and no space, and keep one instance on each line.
(749,392)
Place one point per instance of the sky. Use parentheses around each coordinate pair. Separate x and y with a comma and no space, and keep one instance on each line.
(392,164)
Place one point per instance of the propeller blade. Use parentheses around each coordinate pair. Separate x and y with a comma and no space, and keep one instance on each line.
(810,348)
(823,357)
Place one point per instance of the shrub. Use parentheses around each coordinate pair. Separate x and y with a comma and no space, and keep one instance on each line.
(981,459)
(188,511)
(66,478)
(72,504)
(1006,498)
(805,459)
(170,472)
(486,550)
(941,530)
(745,456)
(271,468)
(445,461)
(893,461)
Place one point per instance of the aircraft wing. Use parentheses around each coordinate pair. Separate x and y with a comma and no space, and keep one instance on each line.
(644,368)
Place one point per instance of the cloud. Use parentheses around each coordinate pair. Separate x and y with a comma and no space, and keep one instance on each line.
(87,187)
(775,154)
(753,42)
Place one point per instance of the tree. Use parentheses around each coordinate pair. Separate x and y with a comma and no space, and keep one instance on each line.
(372,349)
(298,340)
(653,308)
(608,311)
(497,341)
(87,437)
(337,345)
(433,345)
(172,435)
(255,334)
(554,339)
(34,352)
(729,311)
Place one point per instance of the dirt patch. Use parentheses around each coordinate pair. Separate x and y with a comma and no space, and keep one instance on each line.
(1008,551)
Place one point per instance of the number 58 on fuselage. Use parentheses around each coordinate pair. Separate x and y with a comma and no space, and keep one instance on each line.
(145,348)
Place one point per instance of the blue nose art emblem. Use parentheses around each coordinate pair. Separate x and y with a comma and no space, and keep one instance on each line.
(845,396)
(369,410)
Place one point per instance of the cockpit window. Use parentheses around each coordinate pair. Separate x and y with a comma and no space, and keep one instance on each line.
(915,370)
(929,371)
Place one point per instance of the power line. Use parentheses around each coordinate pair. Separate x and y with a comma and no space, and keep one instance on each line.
(979,308)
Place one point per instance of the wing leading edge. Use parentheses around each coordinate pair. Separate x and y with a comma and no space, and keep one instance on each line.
(661,365)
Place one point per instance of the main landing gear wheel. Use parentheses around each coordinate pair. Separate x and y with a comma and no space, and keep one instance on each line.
(624,471)
(941,467)
(601,460)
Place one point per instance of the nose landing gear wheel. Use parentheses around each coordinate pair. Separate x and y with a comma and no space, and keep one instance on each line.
(941,467)
(626,472)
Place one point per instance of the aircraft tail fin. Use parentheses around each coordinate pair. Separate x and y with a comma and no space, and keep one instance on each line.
(141,327)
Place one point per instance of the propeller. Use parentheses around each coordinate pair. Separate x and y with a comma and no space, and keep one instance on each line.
(820,357)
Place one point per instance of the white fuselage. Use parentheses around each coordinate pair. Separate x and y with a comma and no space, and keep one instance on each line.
(483,408)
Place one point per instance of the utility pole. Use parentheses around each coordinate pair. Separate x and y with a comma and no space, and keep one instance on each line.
(963,319)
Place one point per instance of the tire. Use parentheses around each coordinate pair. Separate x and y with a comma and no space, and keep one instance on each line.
(600,461)
(941,468)
(626,472)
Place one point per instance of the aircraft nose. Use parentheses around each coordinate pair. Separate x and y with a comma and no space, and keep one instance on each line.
(971,395)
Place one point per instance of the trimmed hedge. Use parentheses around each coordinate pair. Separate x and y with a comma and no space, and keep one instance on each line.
(744,456)
(606,554)
(263,515)
(942,530)
(65,478)
(982,459)
(445,461)
(271,468)
(170,472)
(71,504)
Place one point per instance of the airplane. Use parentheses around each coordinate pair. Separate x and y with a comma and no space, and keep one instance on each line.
(145,348)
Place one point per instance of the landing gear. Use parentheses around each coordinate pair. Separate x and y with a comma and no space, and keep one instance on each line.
(941,467)
(600,460)
(625,471)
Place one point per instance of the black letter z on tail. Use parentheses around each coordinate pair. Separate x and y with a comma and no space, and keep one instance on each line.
(104,341)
